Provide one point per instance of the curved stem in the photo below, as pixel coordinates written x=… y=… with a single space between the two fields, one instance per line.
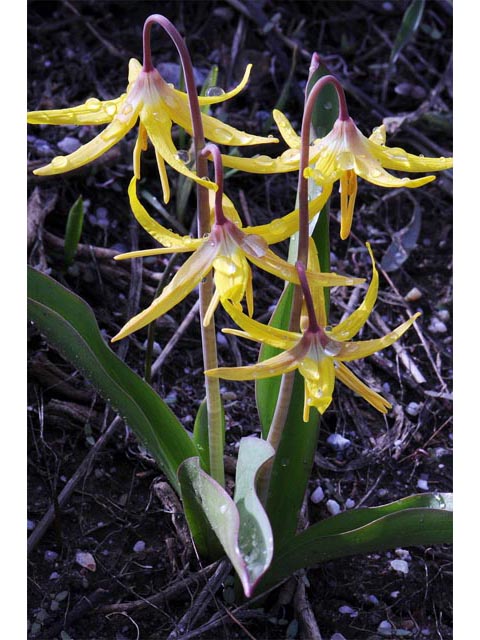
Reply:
x=212 y=150
x=209 y=343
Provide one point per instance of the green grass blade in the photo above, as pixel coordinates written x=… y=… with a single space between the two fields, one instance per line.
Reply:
x=70 y=326
x=73 y=230
x=410 y=23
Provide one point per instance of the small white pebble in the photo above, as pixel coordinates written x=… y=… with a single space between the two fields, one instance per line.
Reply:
x=338 y=442
x=413 y=408
x=139 y=546
x=346 y=609
x=381 y=493
x=400 y=566
x=384 y=625
x=30 y=525
x=403 y=554
x=413 y=295
x=54 y=576
x=444 y=315
x=317 y=495
x=394 y=594
x=86 y=560
x=422 y=484
x=372 y=599
x=437 y=326
x=69 y=144
x=333 y=507
x=50 y=556
x=349 y=503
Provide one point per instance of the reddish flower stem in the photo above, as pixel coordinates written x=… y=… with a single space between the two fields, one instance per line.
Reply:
x=212 y=150
x=209 y=342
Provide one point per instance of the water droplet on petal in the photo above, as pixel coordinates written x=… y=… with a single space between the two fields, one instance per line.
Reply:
x=214 y=91
x=327 y=106
x=291 y=156
x=374 y=172
x=111 y=109
x=59 y=162
x=222 y=136
x=93 y=104
x=264 y=161
x=346 y=160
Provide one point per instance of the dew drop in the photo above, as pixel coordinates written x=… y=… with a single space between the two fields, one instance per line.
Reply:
x=222 y=136
x=214 y=91
x=127 y=108
x=290 y=156
x=223 y=508
x=374 y=173
x=93 y=104
x=327 y=106
x=111 y=109
x=59 y=162
x=346 y=160
x=264 y=161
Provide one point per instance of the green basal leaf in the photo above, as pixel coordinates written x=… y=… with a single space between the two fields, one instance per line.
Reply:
x=417 y=520
x=70 y=326
x=241 y=525
x=73 y=230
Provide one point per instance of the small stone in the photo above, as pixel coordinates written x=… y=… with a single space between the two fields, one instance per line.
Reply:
x=444 y=315
x=317 y=495
x=50 y=556
x=54 y=576
x=30 y=525
x=400 y=566
x=139 y=546
x=422 y=482
x=381 y=493
x=333 y=507
x=349 y=503
x=413 y=408
x=372 y=599
x=437 y=326
x=403 y=554
x=337 y=442
x=86 y=560
x=338 y=636
x=69 y=144
x=222 y=340
x=413 y=295
x=425 y=632
x=348 y=610
x=384 y=626
x=394 y=594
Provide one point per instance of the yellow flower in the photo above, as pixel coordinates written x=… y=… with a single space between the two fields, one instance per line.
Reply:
x=343 y=154
x=227 y=249
x=157 y=105
x=318 y=353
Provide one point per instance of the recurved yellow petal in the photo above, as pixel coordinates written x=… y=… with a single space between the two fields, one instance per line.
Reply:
x=363 y=348
x=208 y=100
x=92 y=112
x=109 y=137
x=282 y=363
x=371 y=170
x=259 y=332
x=158 y=126
x=351 y=326
x=286 y=130
x=155 y=229
x=349 y=379
x=284 y=227
x=184 y=281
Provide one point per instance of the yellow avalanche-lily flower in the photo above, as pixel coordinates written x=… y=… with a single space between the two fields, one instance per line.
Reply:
x=157 y=105
x=318 y=353
x=227 y=249
x=343 y=154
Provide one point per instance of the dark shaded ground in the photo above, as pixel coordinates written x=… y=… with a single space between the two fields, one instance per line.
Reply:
x=81 y=49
